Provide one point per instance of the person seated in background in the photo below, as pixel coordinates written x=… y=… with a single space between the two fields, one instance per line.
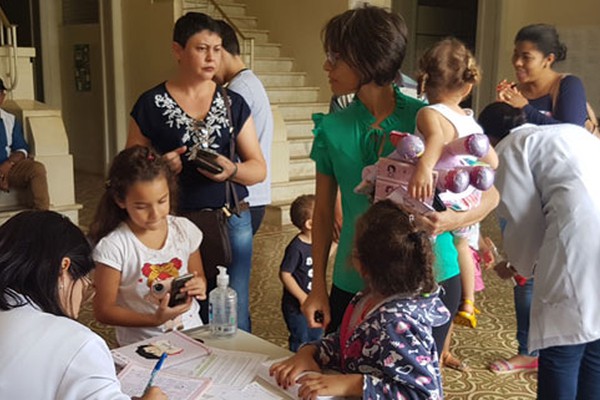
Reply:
x=44 y=353
x=17 y=170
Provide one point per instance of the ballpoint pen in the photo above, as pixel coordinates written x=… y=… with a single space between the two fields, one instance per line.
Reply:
x=157 y=367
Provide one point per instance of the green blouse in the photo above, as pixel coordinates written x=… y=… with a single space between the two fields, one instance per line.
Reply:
x=345 y=142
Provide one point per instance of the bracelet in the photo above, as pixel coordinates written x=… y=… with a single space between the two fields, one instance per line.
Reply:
x=234 y=171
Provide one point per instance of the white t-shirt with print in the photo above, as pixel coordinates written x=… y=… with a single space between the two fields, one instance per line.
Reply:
x=140 y=265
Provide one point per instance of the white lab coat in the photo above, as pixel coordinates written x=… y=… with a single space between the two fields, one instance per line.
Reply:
x=45 y=357
x=549 y=183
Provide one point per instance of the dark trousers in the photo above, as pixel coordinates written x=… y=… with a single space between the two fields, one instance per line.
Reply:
x=297 y=325
x=450 y=296
x=570 y=372
x=257 y=214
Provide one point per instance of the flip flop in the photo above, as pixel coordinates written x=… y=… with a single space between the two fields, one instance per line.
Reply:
x=502 y=366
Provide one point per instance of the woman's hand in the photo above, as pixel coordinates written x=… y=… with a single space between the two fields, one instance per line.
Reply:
x=504 y=270
x=314 y=385
x=153 y=393
x=510 y=95
x=316 y=308
x=165 y=313
x=196 y=287
x=229 y=169
x=285 y=372
x=173 y=159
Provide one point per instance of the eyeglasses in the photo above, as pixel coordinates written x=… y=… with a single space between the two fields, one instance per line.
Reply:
x=332 y=58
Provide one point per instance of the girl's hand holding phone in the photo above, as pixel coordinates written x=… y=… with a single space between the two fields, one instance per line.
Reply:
x=196 y=287
x=165 y=313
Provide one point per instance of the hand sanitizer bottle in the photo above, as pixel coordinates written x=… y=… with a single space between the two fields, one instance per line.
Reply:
x=223 y=306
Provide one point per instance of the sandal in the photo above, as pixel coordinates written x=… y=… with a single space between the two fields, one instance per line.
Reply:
x=449 y=361
x=465 y=318
x=503 y=366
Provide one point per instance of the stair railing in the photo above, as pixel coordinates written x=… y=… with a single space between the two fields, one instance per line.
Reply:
x=247 y=41
x=8 y=39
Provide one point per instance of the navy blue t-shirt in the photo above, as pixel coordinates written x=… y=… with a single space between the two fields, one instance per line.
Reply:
x=168 y=127
x=570 y=105
x=297 y=261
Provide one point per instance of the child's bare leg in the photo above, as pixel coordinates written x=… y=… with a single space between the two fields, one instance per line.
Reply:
x=466 y=311
x=467 y=273
x=447 y=359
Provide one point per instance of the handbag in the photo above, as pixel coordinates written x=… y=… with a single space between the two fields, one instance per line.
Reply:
x=215 y=248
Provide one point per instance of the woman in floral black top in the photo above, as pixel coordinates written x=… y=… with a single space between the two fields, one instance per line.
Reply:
x=188 y=112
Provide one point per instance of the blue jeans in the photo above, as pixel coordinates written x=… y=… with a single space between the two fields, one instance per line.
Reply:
x=296 y=322
x=257 y=213
x=522 y=297
x=240 y=236
x=570 y=372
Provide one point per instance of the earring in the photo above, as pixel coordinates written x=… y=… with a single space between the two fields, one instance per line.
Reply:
x=61 y=287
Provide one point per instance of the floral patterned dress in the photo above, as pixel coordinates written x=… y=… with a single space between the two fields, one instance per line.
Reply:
x=391 y=346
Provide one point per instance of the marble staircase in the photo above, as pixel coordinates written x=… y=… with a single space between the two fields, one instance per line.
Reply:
x=292 y=99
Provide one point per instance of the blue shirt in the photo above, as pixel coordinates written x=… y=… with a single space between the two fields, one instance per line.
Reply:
x=570 y=105
x=11 y=141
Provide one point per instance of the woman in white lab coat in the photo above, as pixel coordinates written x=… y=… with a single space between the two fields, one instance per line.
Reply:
x=549 y=213
x=44 y=354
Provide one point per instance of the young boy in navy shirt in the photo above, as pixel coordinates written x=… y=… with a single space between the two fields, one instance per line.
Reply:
x=296 y=274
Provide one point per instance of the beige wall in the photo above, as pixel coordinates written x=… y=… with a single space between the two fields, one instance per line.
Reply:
x=297 y=25
x=82 y=111
x=147 y=36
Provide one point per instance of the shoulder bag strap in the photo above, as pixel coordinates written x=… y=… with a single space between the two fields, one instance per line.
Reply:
x=554 y=89
x=229 y=189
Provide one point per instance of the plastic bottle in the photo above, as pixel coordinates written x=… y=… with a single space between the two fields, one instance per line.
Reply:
x=223 y=306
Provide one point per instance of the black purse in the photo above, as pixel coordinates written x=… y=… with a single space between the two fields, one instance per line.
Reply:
x=215 y=248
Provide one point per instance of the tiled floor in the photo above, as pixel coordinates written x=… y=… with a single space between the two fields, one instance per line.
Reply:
x=493 y=338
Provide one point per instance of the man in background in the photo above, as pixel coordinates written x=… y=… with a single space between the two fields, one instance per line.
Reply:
x=16 y=169
x=234 y=73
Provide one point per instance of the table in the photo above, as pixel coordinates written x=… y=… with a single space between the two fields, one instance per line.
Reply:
x=240 y=341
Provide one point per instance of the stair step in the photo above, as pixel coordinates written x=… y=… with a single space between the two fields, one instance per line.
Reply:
x=273 y=64
x=230 y=8
x=302 y=168
x=299 y=129
x=278 y=214
x=259 y=35
x=277 y=79
x=298 y=111
x=288 y=191
x=71 y=211
x=244 y=21
x=303 y=94
x=267 y=50
x=300 y=148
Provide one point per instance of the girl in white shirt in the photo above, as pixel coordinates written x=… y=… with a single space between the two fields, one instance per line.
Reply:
x=44 y=354
x=137 y=244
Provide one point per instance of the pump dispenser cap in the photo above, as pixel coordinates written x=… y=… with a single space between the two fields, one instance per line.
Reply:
x=222 y=278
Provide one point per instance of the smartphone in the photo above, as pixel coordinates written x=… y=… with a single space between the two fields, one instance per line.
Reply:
x=206 y=160
x=177 y=284
x=438 y=204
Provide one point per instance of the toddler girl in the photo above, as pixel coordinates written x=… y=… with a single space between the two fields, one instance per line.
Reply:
x=384 y=347
x=447 y=74
x=137 y=244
